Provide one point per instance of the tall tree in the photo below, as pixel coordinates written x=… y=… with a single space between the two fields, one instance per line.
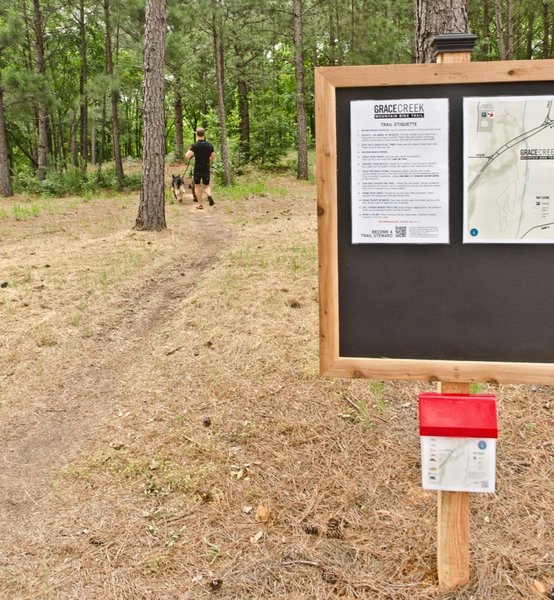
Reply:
x=217 y=34
x=302 y=142
x=435 y=17
x=151 y=213
x=42 y=117
x=83 y=86
x=114 y=95
x=9 y=33
x=178 y=111
x=243 y=104
x=5 y=181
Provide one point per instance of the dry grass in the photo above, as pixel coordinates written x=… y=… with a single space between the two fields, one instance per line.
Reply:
x=167 y=435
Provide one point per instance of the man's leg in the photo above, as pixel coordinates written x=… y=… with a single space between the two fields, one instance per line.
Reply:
x=208 y=188
x=198 y=194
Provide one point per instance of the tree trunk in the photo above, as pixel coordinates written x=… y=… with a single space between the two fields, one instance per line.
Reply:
x=42 y=152
x=5 y=181
x=331 y=37
x=244 y=120
x=218 y=54
x=500 y=30
x=530 y=35
x=116 y=143
x=178 y=109
x=102 y=150
x=545 y=30
x=73 y=139
x=60 y=128
x=243 y=106
x=93 y=143
x=435 y=17
x=151 y=213
x=486 y=28
x=510 y=19
x=302 y=167
x=83 y=87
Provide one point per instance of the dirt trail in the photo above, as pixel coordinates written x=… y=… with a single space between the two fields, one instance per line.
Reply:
x=57 y=395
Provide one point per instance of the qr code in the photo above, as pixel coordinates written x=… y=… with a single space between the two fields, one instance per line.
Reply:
x=400 y=232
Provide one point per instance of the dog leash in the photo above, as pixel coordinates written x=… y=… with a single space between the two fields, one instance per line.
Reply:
x=188 y=165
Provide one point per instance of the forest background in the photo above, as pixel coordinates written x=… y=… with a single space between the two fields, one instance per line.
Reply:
x=71 y=76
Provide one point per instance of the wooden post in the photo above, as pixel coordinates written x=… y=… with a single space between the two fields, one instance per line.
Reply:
x=453 y=523
x=453 y=507
x=454 y=47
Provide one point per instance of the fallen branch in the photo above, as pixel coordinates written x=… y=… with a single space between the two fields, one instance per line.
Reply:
x=359 y=411
x=308 y=563
x=175 y=350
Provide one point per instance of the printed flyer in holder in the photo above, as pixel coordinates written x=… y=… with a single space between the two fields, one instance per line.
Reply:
x=399 y=157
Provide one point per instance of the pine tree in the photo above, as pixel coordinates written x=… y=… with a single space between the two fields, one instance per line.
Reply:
x=435 y=17
x=151 y=213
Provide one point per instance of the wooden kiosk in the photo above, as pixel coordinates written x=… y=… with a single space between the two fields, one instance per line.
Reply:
x=454 y=312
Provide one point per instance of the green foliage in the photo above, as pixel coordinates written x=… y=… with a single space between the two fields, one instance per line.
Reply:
x=71 y=182
x=257 y=42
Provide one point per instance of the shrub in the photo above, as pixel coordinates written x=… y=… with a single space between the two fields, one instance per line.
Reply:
x=72 y=182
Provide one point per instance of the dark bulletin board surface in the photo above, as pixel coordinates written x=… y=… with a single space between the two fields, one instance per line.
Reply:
x=464 y=302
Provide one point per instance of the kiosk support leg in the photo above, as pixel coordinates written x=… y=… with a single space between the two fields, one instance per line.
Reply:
x=453 y=507
x=453 y=524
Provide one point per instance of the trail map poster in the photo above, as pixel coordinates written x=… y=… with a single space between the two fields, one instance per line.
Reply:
x=458 y=464
x=509 y=170
x=399 y=158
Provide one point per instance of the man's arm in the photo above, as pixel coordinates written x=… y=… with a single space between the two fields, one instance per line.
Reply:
x=189 y=153
x=212 y=157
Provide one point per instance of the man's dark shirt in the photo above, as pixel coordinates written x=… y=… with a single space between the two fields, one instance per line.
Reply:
x=202 y=152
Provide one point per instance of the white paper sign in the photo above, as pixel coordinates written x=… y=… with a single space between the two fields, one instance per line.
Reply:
x=399 y=157
x=458 y=464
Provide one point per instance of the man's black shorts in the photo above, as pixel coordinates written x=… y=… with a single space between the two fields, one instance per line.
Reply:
x=201 y=178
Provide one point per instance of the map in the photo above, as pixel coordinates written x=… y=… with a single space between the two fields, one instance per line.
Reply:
x=509 y=169
x=458 y=464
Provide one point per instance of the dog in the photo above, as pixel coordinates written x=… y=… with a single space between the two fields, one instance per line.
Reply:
x=179 y=187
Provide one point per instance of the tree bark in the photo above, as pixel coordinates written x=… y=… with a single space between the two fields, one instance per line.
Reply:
x=42 y=115
x=435 y=17
x=116 y=136
x=220 y=82
x=302 y=143
x=151 y=213
x=5 y=181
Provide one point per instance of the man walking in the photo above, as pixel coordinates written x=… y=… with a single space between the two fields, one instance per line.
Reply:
x=204 y=156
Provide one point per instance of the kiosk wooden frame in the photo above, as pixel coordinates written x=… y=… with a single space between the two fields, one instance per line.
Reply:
x=327 y=81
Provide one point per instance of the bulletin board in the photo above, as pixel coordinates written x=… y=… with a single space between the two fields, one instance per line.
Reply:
x=453 y=311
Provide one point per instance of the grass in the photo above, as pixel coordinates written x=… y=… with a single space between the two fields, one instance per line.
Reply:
x=253 y=186
x=296 y=257
x=21 y=212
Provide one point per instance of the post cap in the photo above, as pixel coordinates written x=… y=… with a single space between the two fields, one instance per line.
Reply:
x=454 y=42
x=458 y=415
